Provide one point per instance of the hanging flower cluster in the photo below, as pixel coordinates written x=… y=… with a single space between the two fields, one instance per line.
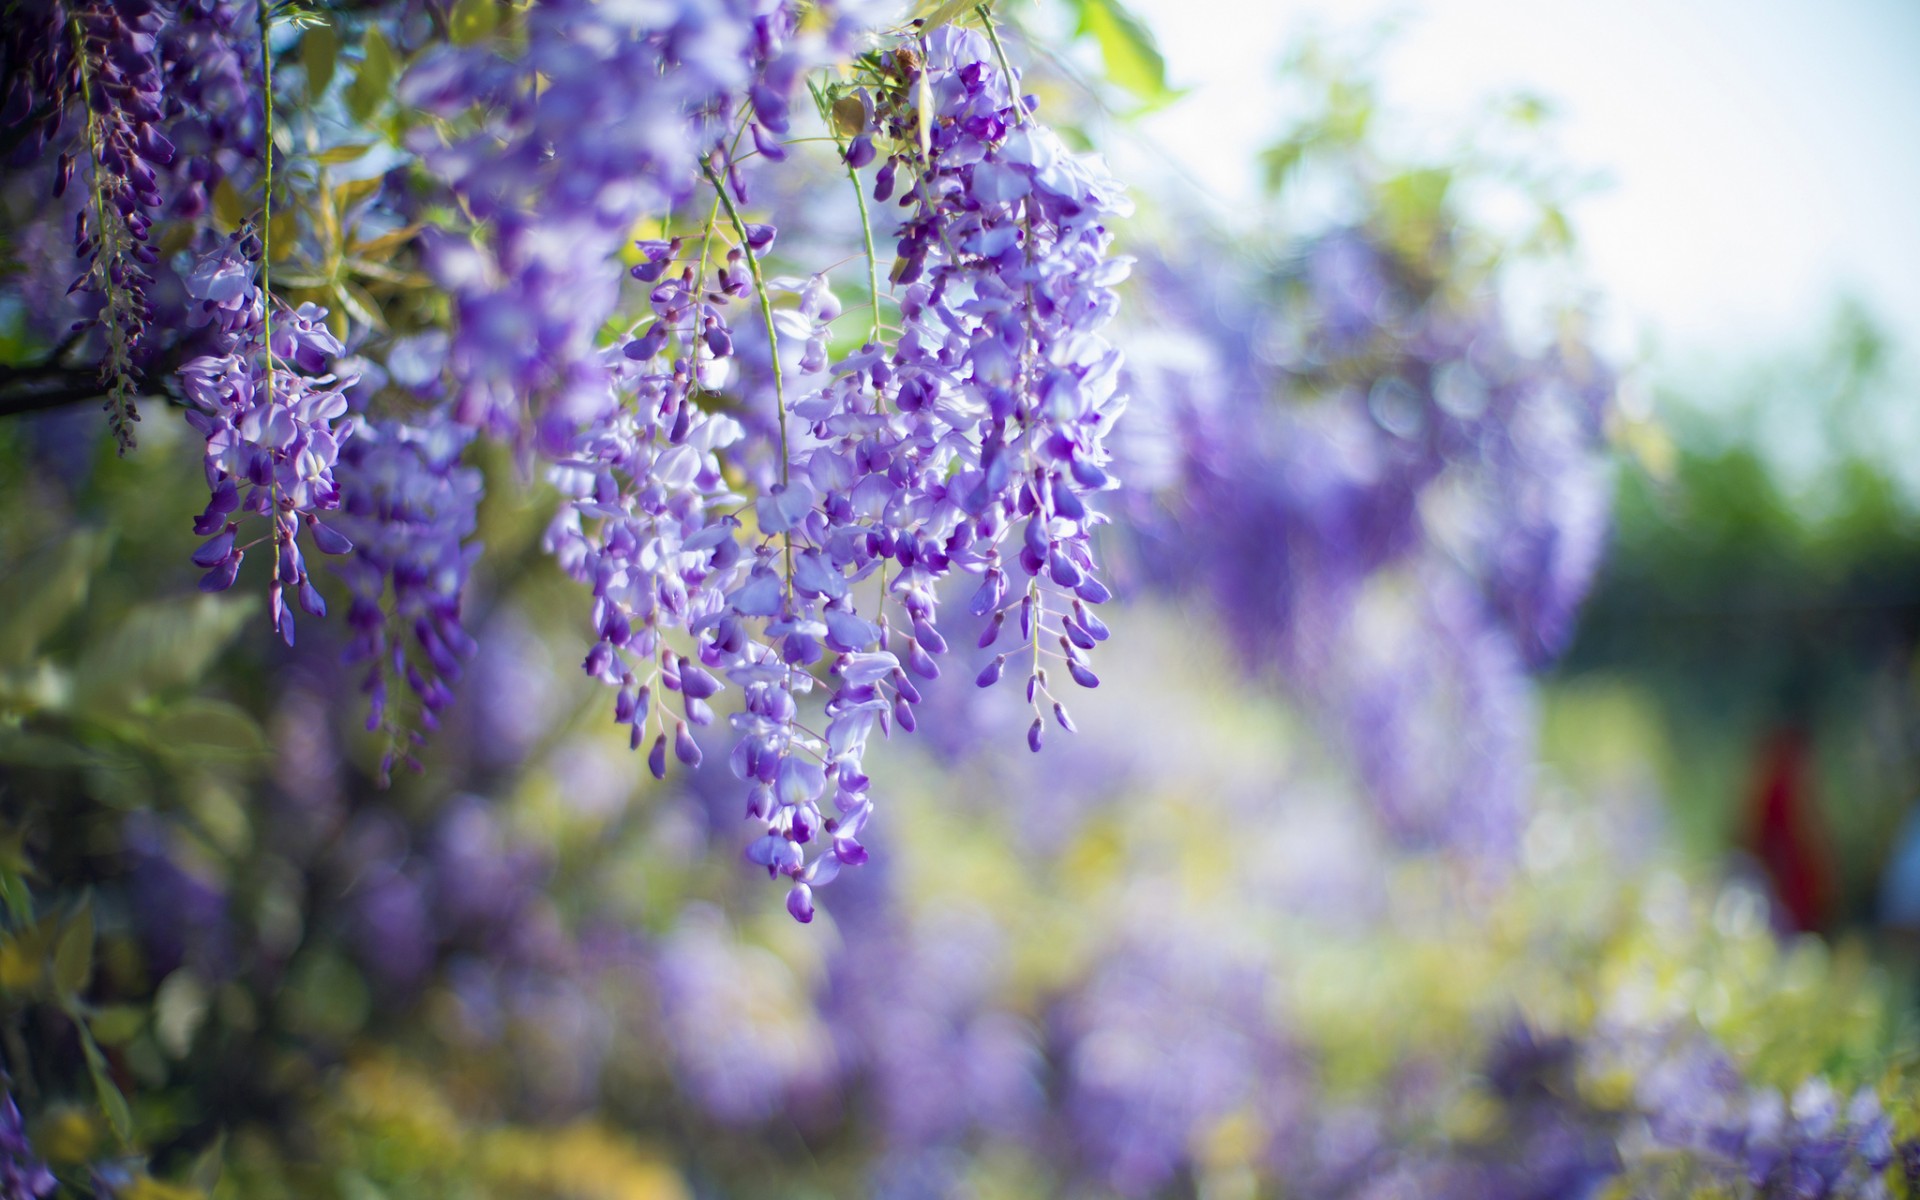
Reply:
x=273 y=417
x=730 y=484
x=410 y=510
x=1393 y=507
x=762 y=512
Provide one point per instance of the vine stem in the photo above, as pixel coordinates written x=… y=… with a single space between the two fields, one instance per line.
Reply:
x=266 y=193
x=766 y=304
x=266 y=253
x=1035 y=596
x=773 y=354
x=1006 y=67
x=873 y=263
x=773 y=341
x=108 y=235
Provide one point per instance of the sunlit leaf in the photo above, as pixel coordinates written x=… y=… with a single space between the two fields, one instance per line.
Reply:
x=73 y=953
x=319 y=52
x=179 y=1009
x=1127 y=49
x=117 y=1023
x=358 y=303
x=229 y=207
x=944 y=12
x=374 y=80
x=111 y=1101
x=849 y=116
x=204 y=730
x=156 y=647
x=473 y=21
x=334 y=155
x=354 y=191
x=285 y=230
x=42 y=591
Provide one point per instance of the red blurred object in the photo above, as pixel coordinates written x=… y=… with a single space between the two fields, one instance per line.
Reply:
x=1786 y=832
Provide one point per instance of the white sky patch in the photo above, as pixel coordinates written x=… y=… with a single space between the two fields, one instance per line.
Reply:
x=1764 y=155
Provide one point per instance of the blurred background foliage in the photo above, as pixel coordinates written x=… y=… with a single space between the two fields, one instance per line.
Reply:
x=1762 y=591
x=1178 y=955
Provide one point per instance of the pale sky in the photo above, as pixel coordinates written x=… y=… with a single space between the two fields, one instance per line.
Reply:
x=1764 y=154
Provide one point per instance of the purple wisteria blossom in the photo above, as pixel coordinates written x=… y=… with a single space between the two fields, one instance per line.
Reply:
x=896 y=465
x=628 y=104
x=1817 y=1143
x=745 y=1041
x=22 y=1175
x=1394 y=510
x=210 y=55
x=1165 y=1042
x=410 y=508
x=118 y=79
x=274 y=420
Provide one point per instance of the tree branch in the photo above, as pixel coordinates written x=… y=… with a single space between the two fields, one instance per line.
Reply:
x=54 y=384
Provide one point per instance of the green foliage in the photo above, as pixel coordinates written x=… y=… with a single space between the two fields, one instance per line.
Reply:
x=44 y=589
x=319 y=54
x=473 y=21
x=1763 y=575
x=372 y=83
x=1128 y=51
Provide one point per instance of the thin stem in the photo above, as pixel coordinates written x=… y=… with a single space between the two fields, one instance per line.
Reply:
x=1006 y=67
x=773 y=344
x=1035 y=595
x=266 y=195
x=266 y=255
x=866 y=232
x=110 y=239
x=766 y=304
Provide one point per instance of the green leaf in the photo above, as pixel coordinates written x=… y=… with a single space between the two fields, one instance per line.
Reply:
x=324 y=997
x=374 y=80
x=23 y=957
x=73 y=953
x=118 y=1023
x=319 y=54
x=204 y=1174
x=358 y=303
x=229 y=207
x=43 y=751
x=849 y=116
x=473 y=21
x=43 y=591
x=203 y=730
x=1127 y=48
x=111 y=1101
x=945 y=13
x=157 y=646
x=335 y=155
x=19 y=901
x=296 y=14
x=355 y=191
x=179 y=1009
x=1277 y=162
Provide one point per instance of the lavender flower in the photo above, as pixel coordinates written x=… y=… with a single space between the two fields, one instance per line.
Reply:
x=273 y=420
x=22 y=1175
x=209 y=52
x=120 y=83
x=409 y=508
x=1394 y=510
x=1167 y=1038
x=1816 y=1144
x=629 y=101
x=743 y=1038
